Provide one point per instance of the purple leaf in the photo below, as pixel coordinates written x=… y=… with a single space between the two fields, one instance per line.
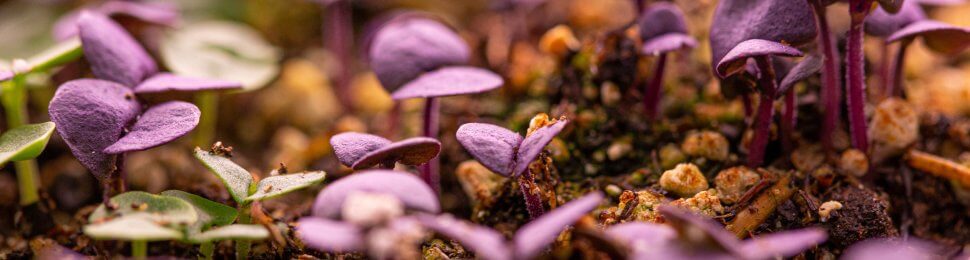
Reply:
x=804 y=69
x=881 y=23
x=351 y=146
x=655 y=235
x=735 y=60
x=697 y=229
x=534 y=236
x=411 y=151
x=668 y=43
x=155 y=12
x=890 y=249
x=405 y=48
x=6 y=75
x=328 y=235
x=491 y=145
x=483 y=241
x=159 y=124
x=411 y=190
x=736 y=21
x=940 y=37
x=113 y=54
x=533 y=144
x=90 y=115
x=782 y=244
x=660 y=19
x=940 y=2
x=165 y=82
x=449 y=81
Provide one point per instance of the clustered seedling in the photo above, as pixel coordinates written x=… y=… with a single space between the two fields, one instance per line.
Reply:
x=361 y=151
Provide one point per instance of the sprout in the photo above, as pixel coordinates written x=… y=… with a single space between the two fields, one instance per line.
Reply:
x=663 y=30
x=508 y=154
x=160 y=13
x=360 y=151
x=418 y=57
x=831 y=92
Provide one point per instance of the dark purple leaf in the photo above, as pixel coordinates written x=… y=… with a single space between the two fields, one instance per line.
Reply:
x=159 y=124
x=330 y=236
x=735 y=21
x=406 y=187
x=485 y=242
x=940 y=37
x=154 y=12
x=411 y=151
x=668 y=43
x=735 y=60
x=533 y=144
x=782 y=244
x=351 y=146
x=804 y=69
x=659 y=19
x=449 y=81
x=165 y=82
x=881 y=23
x=695 y=229
x=90 y=115
x=491 y=145
x=405 y=48
x=534 y=236
x=891 y=249
x=112 y=52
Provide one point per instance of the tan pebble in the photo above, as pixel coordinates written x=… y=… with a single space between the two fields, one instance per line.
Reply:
x=685 y=180
x=826 y=209
x=854 y=162
x=895 y=124
x=708 y=144
x=733 y=182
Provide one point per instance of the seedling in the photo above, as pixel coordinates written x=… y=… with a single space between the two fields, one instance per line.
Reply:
x=508 y=154
x=693 y=236
x=831 y=92
x=245 y=190
x=663 y=30
x=159 y=13
x=529 y=241
x=418 y=57
x=361 y=151
x=123 y=125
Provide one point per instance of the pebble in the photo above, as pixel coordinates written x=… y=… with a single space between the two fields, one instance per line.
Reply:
x=685 y=180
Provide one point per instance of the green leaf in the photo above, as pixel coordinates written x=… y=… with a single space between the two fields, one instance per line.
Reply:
x=131 y=228
x=210 y=213
x=25 y=142
x=234 y=232
x=160 y=209
x=222 y=50
x=282 y=184
x=57 y=55
x=236 y=179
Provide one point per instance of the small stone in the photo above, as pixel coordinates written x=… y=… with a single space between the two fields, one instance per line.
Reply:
x=685 y=180
x=558 y=41
x=612 y=190
x=670 y=156
x=371 y=209
x=610 y=94
x=643 y=206
x=895 y=124
x=854 y=162
x=826 y=209
x=705 y=203
x=619 y=149
x=733 y=182
x=707 y=144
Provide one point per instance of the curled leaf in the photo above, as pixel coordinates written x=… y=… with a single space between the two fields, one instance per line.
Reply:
x=449 y=81
x=803 y=70
x=25 y=142
x=406 y=187
x=411 y=151
x=735 y=60
x=274 y=186
x=236 y=179
x=491 y=145
x=532 y=145
x=351 y=146
x=160 y=124
x=328 y=235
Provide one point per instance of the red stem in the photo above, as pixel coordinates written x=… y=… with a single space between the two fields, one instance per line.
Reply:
x=393 y=119
x=895 y=84
x=651 y=99
x=856 y=86
x=762 y=124
x=831 y=85
x=429 y=171
x=533 y=202
x=339 y=27
x=789 y=117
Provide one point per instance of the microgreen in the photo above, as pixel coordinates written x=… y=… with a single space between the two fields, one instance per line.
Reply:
x=831 y=91
x=24 y=142
x=160 y=13
x=360 y=151
x=663 y=30
x=508 y=154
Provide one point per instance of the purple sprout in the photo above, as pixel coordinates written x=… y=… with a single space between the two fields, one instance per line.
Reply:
x=159 y=13
x=418 y=57
x=831 y=92
x=663 y=30
x=361 y=151
x=102 y=119
x=508 y=154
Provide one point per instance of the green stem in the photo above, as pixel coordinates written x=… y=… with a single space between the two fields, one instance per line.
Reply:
x=242 y=246
x=14 y=101
x=208 y=249
x=139 y=249
x=208 y=103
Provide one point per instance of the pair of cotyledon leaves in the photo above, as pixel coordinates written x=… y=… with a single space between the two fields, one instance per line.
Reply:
x=502 y=151
x=243 y=187
x=911 y=22
x=360 y=150
x=664 y=29
x=415 y=56
x=171 y=215
x=99 y=118
x=324 y=231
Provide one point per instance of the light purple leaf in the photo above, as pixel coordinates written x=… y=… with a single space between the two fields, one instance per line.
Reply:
x=113 y=54
x=491 y=145
x=697 y=229
x=159 y=124
x=941 y=2
x=165 y=82
x=803 y=70
x=891 y=249
x=351 y=146
x=6 y=75
x=736 y=21
x=735 y=60
x=330 y=236
x=533 y=144
x=154 y=12
x=90 y=115
x=940 y=37
x=485 y=242
x=881 y=23
x=406 y=187
x=411 y=151
x=534 y=236
x=668 y=43
x=659 y=19
x=652 y=234
x=782 y=244
x=449 y=81
x=408 y=46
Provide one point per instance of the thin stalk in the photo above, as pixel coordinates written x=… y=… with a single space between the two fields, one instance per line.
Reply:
x=429 y=171
x=533 y=203
x=393 y=120
x=884 y=73
x=895 y=84
x=242 y=246
x=762 y=123
x=339 y=26
x=208 y=102
x=207 y=249
x=651 y=99
x=856 y=86
x=139 y=249
x=748 y=109
x=14 y=101
x=831 y=85
x=788 y=119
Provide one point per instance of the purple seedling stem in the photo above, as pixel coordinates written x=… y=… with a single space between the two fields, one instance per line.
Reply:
x=855 y=72
x=831 y=92
x=663 y=29
x=338 y=26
